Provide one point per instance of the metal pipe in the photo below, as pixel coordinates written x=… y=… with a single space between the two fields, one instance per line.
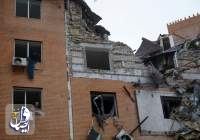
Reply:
x=69 y=95
x=139 y=125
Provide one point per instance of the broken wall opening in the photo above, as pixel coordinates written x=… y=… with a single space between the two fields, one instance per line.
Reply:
x=162 y=62
x=166 y=43
x=169 y=104
x=103 y=103
x=97 y=59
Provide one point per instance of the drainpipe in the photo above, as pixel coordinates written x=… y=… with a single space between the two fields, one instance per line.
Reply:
x=71 y=131
x=69 y=95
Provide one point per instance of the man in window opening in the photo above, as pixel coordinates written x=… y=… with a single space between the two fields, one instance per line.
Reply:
x=37 y=110
x=35 y=57
x=31 y=64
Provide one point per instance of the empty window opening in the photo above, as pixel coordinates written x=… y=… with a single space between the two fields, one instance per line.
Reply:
x=163 y=62
x=98 y=59
x=166 y=43
x=103 y=103
x=28 y=49
x=27 y=96
x=28 y=8
x=168 y=61
x=169 y=103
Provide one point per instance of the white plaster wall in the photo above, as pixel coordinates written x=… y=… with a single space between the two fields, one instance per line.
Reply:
x=149 y=104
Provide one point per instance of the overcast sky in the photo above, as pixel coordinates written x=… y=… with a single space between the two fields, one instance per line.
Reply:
x=130 y=20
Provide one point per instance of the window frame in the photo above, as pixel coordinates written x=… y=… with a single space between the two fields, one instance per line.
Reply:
x=104 y=94
x=28 y=10
x=25 y=89
x=28 y=48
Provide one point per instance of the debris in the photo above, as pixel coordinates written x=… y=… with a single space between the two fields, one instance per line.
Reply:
x=117 y=123
x=101 y=30
x=123 y=135
x=131 y=133
x=188 y=114
x=157 y=77
x=100 y=116
x=105 y=108
x=93 y=135
x=164 y=73
x=128 y=93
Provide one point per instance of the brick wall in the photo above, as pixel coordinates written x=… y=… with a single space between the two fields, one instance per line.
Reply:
x=50 y=74
x=82 y=112
x=185 y=29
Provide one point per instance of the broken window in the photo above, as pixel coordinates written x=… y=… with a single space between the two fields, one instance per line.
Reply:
x=98 y=59
x=103 y=103
x=169 y=103
x=25 y=96
x=28 y=8
x=28 y=49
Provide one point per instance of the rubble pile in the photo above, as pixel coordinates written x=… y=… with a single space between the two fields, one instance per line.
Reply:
x=177 y=68
x=188 y=113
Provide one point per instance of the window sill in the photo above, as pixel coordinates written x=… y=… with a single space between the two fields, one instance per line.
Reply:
x=98 y=70
x=39 y=114
x=30 y=19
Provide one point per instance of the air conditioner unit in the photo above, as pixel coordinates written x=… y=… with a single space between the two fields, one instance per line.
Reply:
x=19 y=61
x=123 y=135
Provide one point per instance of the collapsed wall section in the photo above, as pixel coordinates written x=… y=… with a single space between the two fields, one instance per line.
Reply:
x=93 y=55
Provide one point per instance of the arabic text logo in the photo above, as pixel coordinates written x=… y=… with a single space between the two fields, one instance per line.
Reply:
x=20 y=120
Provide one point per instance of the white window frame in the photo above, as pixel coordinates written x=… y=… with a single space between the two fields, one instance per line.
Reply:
x=28 y=6
x=25 y=90
x=27 y=45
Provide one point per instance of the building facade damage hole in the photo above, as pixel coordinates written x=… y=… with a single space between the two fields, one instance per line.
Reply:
x=169 y=103
x=103 y=106
x=97 y=59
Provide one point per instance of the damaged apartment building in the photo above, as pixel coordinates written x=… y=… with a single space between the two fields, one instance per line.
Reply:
x=110 y=89
x=101 y=78
x=173 y=61
x=116 y=94
x=57 y=58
